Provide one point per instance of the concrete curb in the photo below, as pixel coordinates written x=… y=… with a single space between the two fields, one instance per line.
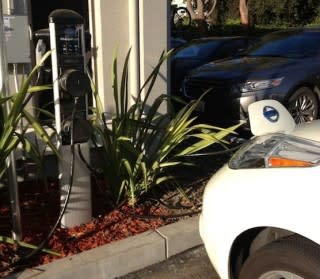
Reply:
x=122 y=257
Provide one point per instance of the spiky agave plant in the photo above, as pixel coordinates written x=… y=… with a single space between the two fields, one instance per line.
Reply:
x=139 y=145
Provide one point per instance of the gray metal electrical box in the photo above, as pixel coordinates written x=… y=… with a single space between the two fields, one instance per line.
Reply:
x=16 y=29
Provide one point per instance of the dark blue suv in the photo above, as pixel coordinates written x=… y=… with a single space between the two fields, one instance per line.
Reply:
x=283 y=65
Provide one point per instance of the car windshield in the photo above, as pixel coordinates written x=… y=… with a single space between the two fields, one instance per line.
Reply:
x=201 y=49
x=297 y=44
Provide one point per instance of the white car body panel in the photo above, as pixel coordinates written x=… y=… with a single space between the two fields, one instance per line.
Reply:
x=259 y=203
x=308 y=130
x=238 y=200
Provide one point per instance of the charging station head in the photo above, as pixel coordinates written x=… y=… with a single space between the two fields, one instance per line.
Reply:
x=63 y=16
x=75 y=82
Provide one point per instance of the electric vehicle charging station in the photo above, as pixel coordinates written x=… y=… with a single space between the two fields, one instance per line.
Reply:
x=70 y=94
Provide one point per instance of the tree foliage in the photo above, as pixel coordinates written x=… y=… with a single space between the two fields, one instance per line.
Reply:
x=271 y=12
x=263 y=12
x=203 y=10
x=287 y=12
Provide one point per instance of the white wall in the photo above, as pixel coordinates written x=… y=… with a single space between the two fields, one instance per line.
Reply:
x=109 y=29
x=112 y=26
x=154 y=30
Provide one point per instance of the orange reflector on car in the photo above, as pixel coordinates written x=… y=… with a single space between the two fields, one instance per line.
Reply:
x=276 y=162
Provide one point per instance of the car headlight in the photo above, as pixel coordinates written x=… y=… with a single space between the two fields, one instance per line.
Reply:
x=254 y=85
x=276 y=151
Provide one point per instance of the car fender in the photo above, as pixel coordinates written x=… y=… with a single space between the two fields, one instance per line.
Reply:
x=308 y=130
x=238 y=200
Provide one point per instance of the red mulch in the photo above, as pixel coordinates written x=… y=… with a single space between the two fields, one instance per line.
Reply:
x=40 y=208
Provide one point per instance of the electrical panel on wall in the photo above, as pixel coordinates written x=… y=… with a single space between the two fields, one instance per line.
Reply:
x=16 y=29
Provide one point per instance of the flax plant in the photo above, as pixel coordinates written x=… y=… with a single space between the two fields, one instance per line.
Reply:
x=11 y=133
x=139 y=145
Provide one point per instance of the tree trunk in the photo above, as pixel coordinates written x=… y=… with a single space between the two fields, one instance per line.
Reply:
x=244 y=13
x=198 y=16
x=210 y=9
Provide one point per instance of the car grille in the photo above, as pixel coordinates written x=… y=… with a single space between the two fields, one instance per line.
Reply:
x=195 y=88
x=220 y=104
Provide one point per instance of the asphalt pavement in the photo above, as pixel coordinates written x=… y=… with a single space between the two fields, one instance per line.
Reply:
x=192 y=264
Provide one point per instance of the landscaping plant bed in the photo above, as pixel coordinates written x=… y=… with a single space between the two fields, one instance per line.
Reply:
x=40 y=203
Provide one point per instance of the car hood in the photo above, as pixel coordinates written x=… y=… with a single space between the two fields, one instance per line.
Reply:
x=241 y=68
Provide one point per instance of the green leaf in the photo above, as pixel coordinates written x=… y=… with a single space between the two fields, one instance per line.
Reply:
x=169 y=164
x=114 y=79
x=163 y=179
x=45 y=113
x=39 y=88
x=123 y=87
x=40 y=131
x=11 y=145
x=9 y=240
x=98 y=104
x=4 y=99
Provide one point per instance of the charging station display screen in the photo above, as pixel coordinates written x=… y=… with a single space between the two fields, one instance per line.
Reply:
x=69 y=40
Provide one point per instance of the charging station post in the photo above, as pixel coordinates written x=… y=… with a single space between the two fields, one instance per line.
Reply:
x=70 y=88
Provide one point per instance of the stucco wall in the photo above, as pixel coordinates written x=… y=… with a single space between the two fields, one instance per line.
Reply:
x=153 y=41
x=111 y=29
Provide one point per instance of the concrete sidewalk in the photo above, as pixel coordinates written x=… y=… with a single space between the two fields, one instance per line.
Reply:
x=122 y=257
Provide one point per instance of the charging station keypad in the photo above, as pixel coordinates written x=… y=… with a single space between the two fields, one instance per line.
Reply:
x=69 y=37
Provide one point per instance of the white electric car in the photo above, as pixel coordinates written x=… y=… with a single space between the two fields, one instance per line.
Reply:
x=261 y=211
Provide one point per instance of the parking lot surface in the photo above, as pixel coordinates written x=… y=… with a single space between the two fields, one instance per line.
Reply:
x=192 y=264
